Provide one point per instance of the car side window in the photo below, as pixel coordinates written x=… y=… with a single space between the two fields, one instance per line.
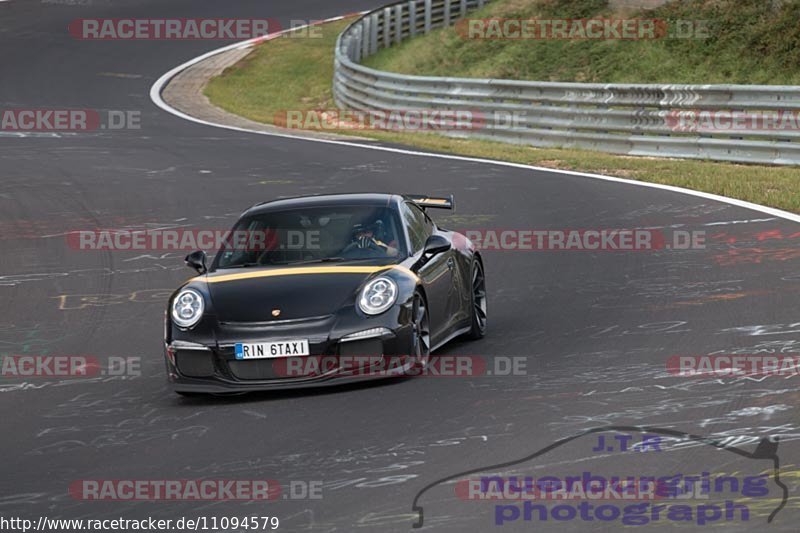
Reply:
x=419 y=225
x=428 y=224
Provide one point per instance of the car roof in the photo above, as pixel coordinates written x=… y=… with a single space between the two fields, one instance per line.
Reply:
x=364 y=198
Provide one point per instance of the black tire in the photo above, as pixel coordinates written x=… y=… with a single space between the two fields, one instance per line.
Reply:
x=421 y=331
x=478 y=314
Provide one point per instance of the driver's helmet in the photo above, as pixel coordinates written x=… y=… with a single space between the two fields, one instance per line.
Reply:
x=364 y=234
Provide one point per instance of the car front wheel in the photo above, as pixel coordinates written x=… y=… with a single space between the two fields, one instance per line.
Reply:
x=421 y=331
x=478 y=327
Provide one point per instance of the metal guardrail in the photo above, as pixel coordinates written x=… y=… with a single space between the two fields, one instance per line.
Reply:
x=633 y=119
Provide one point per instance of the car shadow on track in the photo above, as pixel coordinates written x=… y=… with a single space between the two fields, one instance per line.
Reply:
x=276 y=395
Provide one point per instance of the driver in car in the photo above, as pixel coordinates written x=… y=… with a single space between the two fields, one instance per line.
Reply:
x=366 y=238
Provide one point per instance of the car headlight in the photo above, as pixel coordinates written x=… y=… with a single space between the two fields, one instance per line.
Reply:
x=378 y=295
x=187 y=308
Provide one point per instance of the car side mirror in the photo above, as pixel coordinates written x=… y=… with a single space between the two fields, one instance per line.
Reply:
x=197 y=261
x=436 y=244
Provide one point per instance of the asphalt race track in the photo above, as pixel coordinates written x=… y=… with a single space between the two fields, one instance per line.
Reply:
x=595 y=328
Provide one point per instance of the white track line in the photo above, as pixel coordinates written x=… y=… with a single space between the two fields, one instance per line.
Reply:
x=158 y=86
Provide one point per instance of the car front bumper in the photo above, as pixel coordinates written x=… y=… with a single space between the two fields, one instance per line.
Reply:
x=364 y=352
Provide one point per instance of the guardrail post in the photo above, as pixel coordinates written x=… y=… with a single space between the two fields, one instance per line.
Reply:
x=446 y=13
x=346 y=42
x=373 y=33
x=480 y=3
x=398 y=23
x=463 y=8
x=387 y=22
x=427 y=16
x=412 y=18
x=363 y=42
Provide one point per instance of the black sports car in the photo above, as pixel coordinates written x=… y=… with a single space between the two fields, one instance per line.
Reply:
x=319 y=289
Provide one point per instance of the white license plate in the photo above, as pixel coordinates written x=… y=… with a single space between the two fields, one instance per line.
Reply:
x=266 y=350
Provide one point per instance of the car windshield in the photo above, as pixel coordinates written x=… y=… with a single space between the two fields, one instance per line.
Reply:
x=313 y=234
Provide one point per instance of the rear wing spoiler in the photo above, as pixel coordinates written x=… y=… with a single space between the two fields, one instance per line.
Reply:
x=429 y=201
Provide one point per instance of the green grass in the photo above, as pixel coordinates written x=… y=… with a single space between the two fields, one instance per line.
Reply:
x=296 y=74
x=288 y=73
x=749 y=42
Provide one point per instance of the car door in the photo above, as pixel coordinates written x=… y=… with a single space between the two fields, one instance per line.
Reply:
x=436 y=273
